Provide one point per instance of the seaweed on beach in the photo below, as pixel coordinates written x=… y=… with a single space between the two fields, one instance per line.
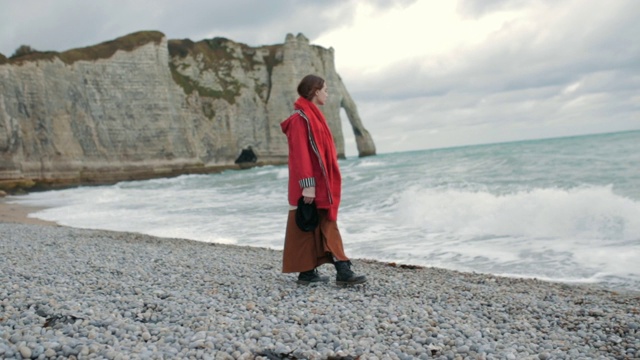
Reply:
x=405 y=266
x=271 y=355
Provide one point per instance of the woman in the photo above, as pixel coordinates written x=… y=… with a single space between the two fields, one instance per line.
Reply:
x=314 y=175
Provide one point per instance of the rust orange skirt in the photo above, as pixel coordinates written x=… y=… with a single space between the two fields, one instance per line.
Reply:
x=305 y=251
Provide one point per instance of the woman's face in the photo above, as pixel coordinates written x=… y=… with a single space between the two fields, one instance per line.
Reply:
x=321 y=95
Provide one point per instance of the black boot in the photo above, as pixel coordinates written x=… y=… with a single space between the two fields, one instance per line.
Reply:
x=347 y=277
x=311 y=276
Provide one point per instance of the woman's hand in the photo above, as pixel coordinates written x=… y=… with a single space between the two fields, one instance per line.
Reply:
x=309 y=194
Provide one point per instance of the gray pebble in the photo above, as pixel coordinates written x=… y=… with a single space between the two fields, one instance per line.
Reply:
x=24 y=351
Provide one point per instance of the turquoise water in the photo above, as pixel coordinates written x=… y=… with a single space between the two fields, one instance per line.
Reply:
x=565 y=209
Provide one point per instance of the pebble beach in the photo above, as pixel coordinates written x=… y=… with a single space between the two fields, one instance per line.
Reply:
x=86 y=294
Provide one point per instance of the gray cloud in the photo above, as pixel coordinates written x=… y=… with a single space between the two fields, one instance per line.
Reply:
x=512 y=60
x=66 y=24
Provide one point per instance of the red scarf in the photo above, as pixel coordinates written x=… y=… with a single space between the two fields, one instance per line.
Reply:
x=327 y=150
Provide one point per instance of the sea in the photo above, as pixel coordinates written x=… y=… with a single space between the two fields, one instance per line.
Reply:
x=563 y=209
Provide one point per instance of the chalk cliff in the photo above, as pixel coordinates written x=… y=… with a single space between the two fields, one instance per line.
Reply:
x=142 y=106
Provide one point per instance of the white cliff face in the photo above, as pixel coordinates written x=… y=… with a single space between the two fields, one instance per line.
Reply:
x=160 y=108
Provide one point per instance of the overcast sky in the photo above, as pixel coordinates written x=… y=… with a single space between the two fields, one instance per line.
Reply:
x=424 y=74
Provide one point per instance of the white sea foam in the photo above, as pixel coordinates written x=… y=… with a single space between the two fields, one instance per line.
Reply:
x=586 y=212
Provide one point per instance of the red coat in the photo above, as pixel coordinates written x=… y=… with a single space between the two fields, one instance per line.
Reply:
x=313 y=160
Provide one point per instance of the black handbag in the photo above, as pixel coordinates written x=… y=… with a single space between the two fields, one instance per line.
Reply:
x=307 y=217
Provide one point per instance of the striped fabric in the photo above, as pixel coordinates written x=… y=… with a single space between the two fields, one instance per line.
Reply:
x=307 y=182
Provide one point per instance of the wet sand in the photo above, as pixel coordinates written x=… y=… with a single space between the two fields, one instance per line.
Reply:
x=19 y=214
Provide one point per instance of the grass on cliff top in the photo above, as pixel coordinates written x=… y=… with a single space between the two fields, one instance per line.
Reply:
x=217 y=55
x=216 y=52
x=104 y=50
x=213 y=51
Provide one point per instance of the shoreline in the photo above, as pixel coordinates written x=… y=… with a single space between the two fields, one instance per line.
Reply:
x=19 y=214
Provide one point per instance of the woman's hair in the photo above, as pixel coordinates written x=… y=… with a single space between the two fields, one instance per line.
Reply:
x=309 y=85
